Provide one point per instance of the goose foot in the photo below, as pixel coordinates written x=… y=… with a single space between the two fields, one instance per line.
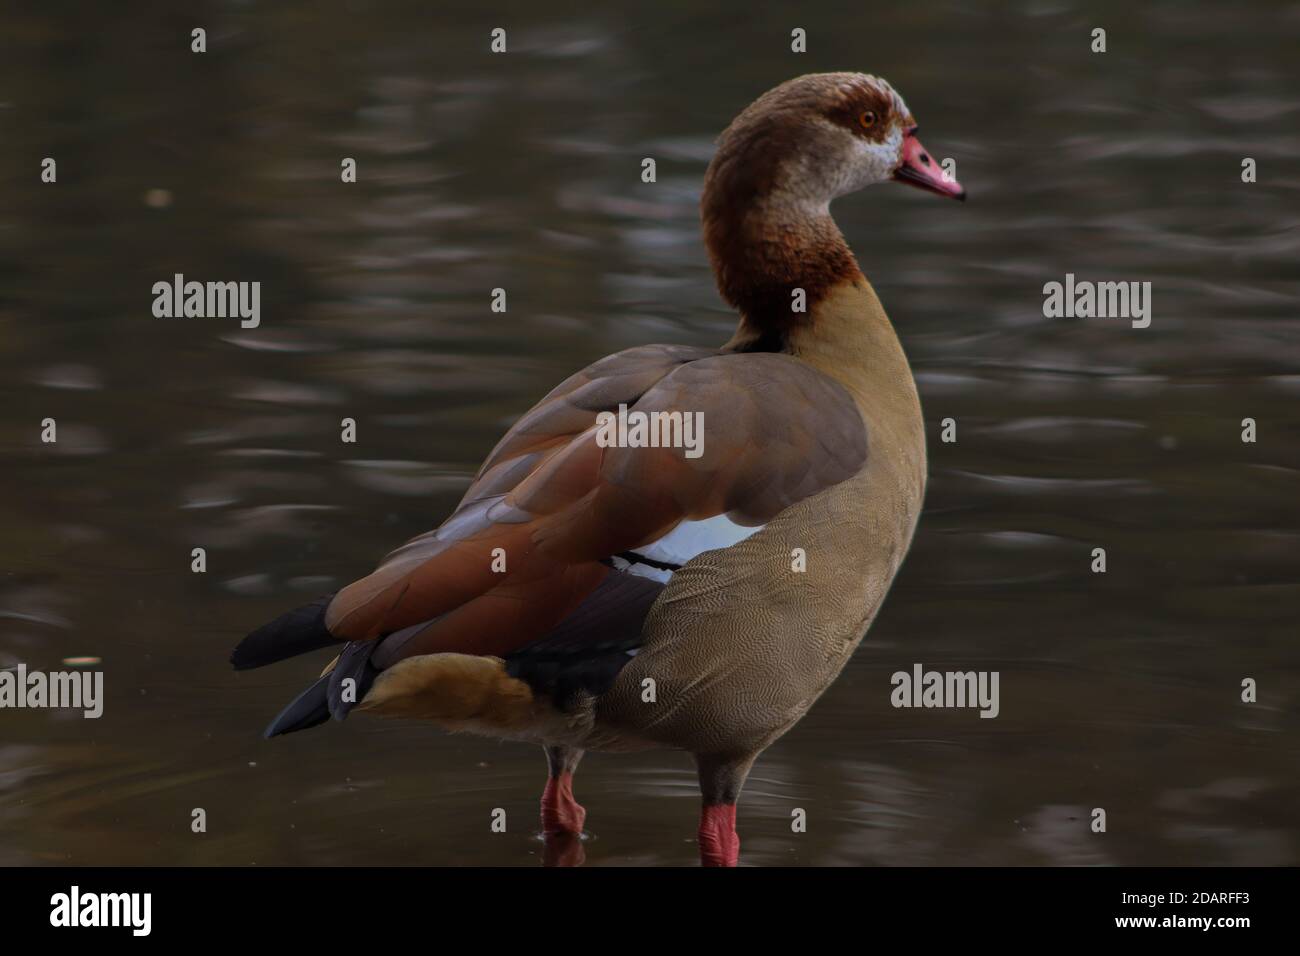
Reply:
x=719 y=844
x=560 y=812
x=721 y=779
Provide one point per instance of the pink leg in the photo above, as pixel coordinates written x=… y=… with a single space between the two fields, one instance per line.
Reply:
x=721 y=777
x=560 y=812
x=719 y=844
x=562 y=816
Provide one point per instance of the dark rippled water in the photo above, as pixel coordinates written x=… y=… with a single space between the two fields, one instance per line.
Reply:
x=521 y=171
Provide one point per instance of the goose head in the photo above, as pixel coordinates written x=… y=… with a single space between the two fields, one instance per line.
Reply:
x=779 y=165
x=822 y=135
x=818 y=137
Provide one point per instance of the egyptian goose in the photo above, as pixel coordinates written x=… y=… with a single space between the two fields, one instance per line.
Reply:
x=588 y=595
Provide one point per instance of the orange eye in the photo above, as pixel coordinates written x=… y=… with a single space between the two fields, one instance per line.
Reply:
x=867 y=119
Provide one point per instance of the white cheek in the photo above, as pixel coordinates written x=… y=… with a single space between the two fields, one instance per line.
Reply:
x=876 y=162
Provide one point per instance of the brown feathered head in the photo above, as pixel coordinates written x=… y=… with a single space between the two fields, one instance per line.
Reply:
x=778 y=166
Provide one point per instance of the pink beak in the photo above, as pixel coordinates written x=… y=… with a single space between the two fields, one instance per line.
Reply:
x=918 y=169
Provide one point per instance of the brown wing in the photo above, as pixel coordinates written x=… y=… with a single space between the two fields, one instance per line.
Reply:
x=553 y=505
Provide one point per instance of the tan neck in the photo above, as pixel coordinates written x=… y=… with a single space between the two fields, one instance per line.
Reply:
x=767 y=242
x=851 y=339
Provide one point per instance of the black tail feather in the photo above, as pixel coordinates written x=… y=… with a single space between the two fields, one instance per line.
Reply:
x=353 y=664
x=292 y=633
x=308 y=709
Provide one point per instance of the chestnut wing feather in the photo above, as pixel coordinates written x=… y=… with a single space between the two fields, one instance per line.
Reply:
x=555 y=506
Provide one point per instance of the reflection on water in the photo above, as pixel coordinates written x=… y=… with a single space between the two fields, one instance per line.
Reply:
x=1118 y=691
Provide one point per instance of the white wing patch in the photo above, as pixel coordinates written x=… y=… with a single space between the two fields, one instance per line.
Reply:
x=662 y=575
x=691 y=538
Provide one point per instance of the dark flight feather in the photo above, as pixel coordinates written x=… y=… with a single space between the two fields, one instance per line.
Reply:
x=308 y=709
x=585 y=651
x=292 y=633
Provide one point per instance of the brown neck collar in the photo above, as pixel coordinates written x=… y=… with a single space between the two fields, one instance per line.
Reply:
x=764 y=248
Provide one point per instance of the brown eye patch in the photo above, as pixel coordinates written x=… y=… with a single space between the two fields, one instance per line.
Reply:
x=864 y=110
